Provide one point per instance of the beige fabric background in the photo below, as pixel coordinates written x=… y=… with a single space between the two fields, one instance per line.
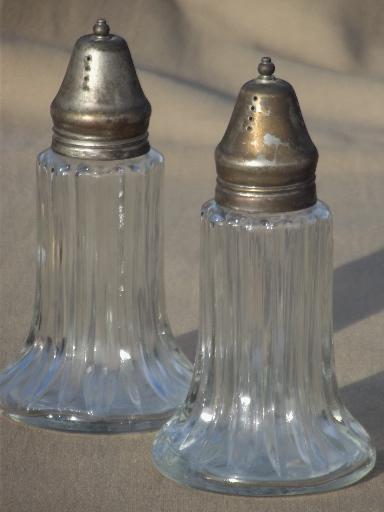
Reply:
x=192 y=57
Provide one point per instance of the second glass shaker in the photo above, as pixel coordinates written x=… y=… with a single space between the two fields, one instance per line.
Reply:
x=263 y=415
x=100 y=356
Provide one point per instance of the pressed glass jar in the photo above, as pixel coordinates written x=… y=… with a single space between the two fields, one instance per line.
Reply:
x=100 y=356
x=263 y=416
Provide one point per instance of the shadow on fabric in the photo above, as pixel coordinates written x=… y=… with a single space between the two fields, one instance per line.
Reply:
x=358 y=289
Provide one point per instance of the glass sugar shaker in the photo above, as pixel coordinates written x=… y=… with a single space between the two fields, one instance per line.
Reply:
x=100 y=356
x=263 y=415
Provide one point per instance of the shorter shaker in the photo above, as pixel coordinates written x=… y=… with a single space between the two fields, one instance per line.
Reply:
x=263 y=415
x=100 y=356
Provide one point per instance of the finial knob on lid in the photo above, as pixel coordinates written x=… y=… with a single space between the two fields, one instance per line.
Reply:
x=101 y=27
x=266 y=67
x=100 y=111
x=266 y=160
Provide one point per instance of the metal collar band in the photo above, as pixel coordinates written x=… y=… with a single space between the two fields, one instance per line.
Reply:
x=266 y=199
x=99 y=149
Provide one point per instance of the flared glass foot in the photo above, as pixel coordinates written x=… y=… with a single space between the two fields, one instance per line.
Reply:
x=47 y=388
x=77 y=424
x=179 y=471
x=257 y=464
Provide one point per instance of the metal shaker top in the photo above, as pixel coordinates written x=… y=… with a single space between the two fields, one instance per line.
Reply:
x=266 y=161
x=100 y=111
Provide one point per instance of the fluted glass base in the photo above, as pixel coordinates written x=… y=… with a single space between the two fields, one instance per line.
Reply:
x=100 y=356
x=78 y=424
x=52 y=391
x=263 y=416
x=205 y=465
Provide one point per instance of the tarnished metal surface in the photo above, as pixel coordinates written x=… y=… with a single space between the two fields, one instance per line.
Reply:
x=266 y=160
x=100 y=111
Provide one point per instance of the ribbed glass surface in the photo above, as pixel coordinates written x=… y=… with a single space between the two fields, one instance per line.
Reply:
x=262 y=415
x=100 y=355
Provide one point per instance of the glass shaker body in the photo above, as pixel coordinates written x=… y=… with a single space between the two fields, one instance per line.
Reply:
x=263 y=414
x=100 y=355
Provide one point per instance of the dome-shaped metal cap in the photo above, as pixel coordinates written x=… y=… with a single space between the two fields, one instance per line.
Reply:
x=100 y=111
x=266 y=161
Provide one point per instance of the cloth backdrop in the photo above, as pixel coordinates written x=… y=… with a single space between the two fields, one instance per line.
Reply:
x=192 y=57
